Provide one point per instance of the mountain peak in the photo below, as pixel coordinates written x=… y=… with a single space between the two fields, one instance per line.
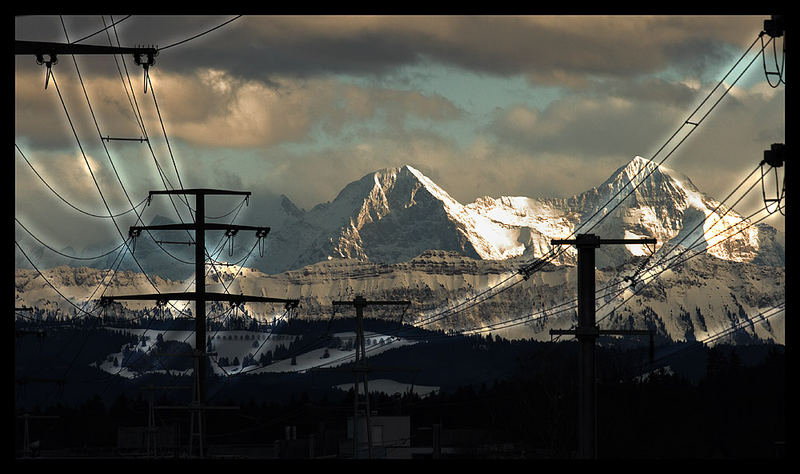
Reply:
x=639 y=167
x=289 y=207
x=396 y=171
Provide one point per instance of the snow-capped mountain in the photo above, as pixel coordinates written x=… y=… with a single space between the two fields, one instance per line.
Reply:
x=388 y=216
x=392 y=215
x=395 y=234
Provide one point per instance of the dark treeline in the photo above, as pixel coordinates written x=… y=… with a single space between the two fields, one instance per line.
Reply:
x=726 y=401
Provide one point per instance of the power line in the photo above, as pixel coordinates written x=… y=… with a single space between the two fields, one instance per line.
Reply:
x=200 y=34
x=688 y=121
x=128 y=95
x=99 y=31
x=373 y=348
x=665 y=256
x=166 y=138
x=49 y=283
x=573 y=304
x=177 y=173
x=62 y=253
x=495 y=326
x=539 y=263
x=674 y=264
x=150 y=322
x=779 y=71
x=97 y=186
x=69 y=203
x=218 y=248
x=140 y=121
x=763 y=315
x=108 y=154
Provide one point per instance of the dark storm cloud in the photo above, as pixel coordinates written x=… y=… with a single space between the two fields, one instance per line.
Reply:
x=261 y=46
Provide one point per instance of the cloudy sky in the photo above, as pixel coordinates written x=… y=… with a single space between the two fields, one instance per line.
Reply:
x=538 y=106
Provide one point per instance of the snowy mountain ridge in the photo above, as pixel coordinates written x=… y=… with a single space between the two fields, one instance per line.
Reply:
x=394 y=214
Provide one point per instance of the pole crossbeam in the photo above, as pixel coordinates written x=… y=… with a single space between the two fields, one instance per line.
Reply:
x=587 y=333
x=201 y=192
x=51 y=48
x=207 y=296
x=204 y=226
x=370 y=303
x=584 y=240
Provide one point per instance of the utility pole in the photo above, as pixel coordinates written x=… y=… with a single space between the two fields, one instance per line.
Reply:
x=152 y=430
x=587 y=333
x=26 y=440
x=775 y=27
x=200 y=296
x=360 y=368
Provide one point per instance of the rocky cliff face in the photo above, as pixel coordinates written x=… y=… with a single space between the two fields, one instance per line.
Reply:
x=696 y=299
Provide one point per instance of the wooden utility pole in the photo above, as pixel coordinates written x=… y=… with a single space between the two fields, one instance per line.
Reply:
x=200 y=296
x=360 y=368
x=587 y=333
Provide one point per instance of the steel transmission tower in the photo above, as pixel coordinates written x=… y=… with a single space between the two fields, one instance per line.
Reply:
x=360 y=367
x=200 y=296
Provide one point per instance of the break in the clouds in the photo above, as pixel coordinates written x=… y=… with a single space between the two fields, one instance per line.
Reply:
x=211 y=107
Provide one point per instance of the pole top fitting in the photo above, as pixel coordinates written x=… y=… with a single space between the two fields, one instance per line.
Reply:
x=775 y=26
x=587 y=240
x=145 y=58
x=776 y=155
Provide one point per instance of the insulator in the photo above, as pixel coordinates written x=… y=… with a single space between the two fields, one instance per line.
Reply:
x=47 y=75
